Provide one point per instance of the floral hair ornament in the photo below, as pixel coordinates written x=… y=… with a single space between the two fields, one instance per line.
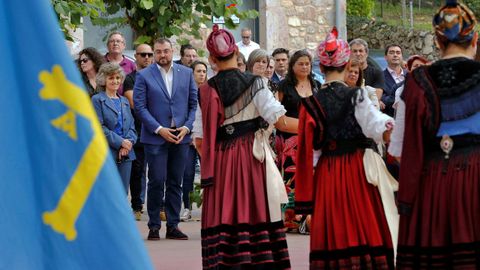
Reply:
x=220 y=42
x=454 y=22
x=333 y=52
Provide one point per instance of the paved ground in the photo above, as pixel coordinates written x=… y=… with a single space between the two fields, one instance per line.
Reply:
x=186 y=255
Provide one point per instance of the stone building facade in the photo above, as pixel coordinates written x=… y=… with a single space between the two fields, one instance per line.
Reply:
x=292 y=24
x=299 y=24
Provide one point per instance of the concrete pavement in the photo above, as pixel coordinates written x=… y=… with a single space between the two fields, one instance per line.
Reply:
x=169 y=254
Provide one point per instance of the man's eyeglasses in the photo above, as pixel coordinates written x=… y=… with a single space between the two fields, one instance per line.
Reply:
x=245 y=37
x=115 y=41
x=84 y=60
x=143 y=54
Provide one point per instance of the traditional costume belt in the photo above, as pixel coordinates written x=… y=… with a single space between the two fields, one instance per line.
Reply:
x=446 y=144
x=237 y=129
x=340 y=147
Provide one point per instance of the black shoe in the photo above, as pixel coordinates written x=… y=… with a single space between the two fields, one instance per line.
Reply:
x=175 y=233
x=153 y=235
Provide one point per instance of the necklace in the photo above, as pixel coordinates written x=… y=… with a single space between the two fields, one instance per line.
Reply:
x=302 y=89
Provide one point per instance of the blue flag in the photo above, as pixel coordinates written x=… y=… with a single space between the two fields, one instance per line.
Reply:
x=62 y=202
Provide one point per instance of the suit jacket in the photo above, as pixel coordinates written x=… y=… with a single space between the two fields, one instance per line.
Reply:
x=155 y=107
x=388 y=96
x=108 y=116
x=275 y=78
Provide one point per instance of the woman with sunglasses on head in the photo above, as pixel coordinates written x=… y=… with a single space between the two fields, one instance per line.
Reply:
x=88 y=62
x=116 y=119
x=439 y=194
x=350 y=229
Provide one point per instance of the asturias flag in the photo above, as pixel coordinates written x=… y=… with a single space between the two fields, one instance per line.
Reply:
x=62 y=204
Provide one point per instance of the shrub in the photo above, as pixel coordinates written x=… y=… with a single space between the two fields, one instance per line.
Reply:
x=474 y=5
x=360 y=8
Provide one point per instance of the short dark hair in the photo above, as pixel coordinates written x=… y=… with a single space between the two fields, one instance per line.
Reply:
x=279 y=51
x=392 y=45
x=186 y=47
x=332 y=69
x=163 y=41
x=198 y=62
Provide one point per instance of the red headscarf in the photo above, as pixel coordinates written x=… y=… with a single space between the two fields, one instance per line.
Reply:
x=333 y=52
x=220 y=42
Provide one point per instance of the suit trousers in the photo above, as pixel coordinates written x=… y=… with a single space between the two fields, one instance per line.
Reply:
x=166 y=165
x=189 y=176
x=138 y=178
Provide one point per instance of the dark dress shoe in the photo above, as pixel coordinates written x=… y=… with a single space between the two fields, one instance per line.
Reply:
x=154 y=234
x=175 y=233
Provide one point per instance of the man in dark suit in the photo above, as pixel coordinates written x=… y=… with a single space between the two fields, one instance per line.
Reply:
x=165 y=98
x=280 y=55
x=394 y=76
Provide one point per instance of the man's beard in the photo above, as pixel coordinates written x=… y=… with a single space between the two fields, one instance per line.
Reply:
x=167 y=64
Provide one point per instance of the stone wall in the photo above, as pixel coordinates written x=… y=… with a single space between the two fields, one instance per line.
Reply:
x=379 y=35
x=295 y=24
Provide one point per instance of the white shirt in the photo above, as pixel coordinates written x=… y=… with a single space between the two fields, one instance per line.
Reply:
x=397 y=77
x=167 y=76
x=247 y=49
x=396 y=139
x=280 y=77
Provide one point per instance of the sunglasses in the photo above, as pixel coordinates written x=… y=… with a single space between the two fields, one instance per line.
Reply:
x=245 y=37
x=84 y=60
x=143 y=54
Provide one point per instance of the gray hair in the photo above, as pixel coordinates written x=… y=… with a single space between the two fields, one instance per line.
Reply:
x=115 y=33
x=255 y=56
x=359 y=41
x=106 y=70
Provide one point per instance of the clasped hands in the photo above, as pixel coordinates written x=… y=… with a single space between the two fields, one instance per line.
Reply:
x=173 y=135
x=125 y=149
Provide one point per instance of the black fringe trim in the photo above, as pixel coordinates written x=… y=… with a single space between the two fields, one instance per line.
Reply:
x=360 y=257
x=245 y=246
x=464 y=255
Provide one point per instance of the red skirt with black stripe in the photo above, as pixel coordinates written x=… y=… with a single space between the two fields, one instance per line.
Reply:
x=349 y=228
x=443 y=229
x=236 y=228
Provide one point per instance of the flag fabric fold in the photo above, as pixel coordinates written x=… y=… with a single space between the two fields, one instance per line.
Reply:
x=63 y=205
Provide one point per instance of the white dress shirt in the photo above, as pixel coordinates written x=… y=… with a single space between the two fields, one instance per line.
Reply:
x=397 y=77
x=247 y=49
x=167 y=76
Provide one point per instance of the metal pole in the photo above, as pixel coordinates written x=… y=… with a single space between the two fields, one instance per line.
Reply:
x=341 y=18
x=411 y=14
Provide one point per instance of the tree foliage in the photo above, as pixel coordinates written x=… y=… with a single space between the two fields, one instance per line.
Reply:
x=151 y=19
x=474 y=5
x=70 y=13
x=360 y=8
